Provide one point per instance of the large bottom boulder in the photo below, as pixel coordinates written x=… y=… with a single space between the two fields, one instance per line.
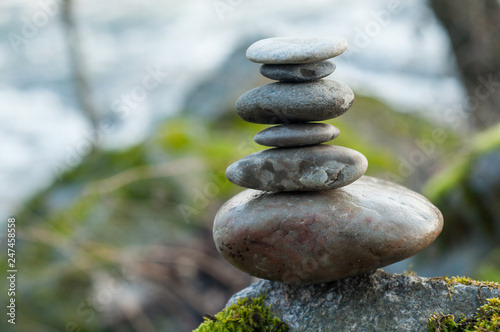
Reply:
x=377 y=301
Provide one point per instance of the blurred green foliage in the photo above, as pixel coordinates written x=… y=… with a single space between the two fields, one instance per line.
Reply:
x=101 y=219
x=489 y=267
x=467 y=191
x=455 y=172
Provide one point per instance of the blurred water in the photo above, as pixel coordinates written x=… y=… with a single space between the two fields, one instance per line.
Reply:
x=403 y=58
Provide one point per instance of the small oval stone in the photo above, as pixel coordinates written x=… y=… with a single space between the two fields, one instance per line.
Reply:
x=310 y=168
x=284 y=50
x=281 y=102
x=293 y=135
x=314 y=237
x=298 y=73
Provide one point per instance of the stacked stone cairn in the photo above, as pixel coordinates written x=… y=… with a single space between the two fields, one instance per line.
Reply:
x=310 y=215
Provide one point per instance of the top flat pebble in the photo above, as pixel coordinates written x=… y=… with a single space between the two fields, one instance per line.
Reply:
x=285 y=50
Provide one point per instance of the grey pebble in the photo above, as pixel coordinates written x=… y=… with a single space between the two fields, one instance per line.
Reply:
x=284 y=50
x=281 y=102
x=298 y=72
x=314 y=237
x=292 y=135
x=310 y=168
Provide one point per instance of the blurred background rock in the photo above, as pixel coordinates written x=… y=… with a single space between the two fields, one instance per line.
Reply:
x=118 y=121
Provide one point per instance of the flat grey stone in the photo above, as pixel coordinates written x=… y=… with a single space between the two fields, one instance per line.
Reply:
x=375 y=302
x=293 y=135
x=314 y=237
x=281 y=102
x=298 y=73
x=284 y=50
x=316 y=167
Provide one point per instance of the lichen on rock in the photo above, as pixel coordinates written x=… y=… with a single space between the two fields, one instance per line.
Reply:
x=487 y=319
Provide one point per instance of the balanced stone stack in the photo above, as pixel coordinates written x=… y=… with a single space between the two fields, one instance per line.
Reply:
x=310 y=216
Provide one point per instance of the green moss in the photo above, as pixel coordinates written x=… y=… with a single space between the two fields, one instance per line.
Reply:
x=487 y=318
x=469 y=282
x=247 y=315
x=410 y=271
x=442 y=323
x=451 y=282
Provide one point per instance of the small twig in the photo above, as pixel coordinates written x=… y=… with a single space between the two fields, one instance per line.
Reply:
x=176 y=167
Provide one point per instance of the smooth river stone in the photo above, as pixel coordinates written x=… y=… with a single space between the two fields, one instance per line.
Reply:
x=292 y=135
x=285 y=50
x=282 y=102
x=314 y=237
x=309 y=168
x=298 y=73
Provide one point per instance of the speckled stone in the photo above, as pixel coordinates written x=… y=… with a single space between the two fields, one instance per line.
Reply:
x=371 y=302
x=279 y=102
x=293 y=135
x=284 y=50
x=298 y=73
x=314 y=237
x=316 y=167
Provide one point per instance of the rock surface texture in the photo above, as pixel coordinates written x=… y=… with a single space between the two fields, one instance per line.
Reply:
x=371 y=302
x=299 y=72
x=312 y=237
x=295 y=102
x=316 y=167
x=286 y=50
x=293 y=135
x=312 y=216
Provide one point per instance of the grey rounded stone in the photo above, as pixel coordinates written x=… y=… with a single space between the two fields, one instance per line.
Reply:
x=281 y=102
x=292 y=135
x=314 y=237
x=310 y=168
x=298 y=73
x=284 y=50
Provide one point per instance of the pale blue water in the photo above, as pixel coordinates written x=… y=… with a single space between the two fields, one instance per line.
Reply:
x=403 y=58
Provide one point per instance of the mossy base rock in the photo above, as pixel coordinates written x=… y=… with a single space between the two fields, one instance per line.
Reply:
x=377 y=301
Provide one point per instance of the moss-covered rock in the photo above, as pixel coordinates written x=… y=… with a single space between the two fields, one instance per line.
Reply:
x=487 y=319
x=372 y=302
